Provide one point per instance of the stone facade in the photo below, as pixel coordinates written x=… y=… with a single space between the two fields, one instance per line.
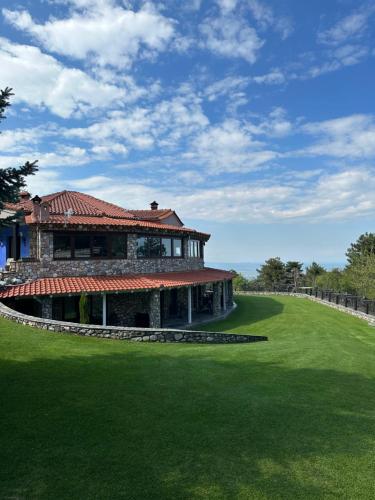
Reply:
x=216 y=305
x=131 y=334
x=41 y=263
x=155 y=320
x=123 y=308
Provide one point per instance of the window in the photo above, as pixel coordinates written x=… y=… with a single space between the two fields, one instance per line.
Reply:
x=89 y=246
x=118 y=246
x=177 y=248
x=195 y=248
x=99 y=246
x=62 y=248
x=166 y=247
x=142 y=247
x=151 y=247
x=82 y=247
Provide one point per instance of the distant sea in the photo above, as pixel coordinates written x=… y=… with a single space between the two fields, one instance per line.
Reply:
x=249 y=269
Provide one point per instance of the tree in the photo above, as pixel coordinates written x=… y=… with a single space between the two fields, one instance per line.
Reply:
x=365 y=245
x=12 y=179
x=240 y=282
x=362 y=275
x=294 y=273
x=84 y=316
x=272 y=273
x=332 y=280
x=312 y=273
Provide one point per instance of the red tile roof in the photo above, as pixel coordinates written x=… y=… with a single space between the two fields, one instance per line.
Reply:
x=88 y=210
x=96 y=284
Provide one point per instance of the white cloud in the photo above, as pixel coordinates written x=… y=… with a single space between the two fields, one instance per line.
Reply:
x=351 y=136
x=164 y=124
x=226 y=86
x=227 y=5
x=103 y=34
x=40 y=80
x=267 y=18
x=340 y=57
x=228 y=147
x=352 y=26
x=274 y=77
x=230 y=36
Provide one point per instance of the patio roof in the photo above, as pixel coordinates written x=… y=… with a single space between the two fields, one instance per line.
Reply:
x=123 y=283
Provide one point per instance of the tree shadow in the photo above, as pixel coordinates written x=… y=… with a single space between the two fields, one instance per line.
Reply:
x=250 y=310
x=175 y=422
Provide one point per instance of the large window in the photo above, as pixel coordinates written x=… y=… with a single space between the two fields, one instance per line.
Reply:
x=149 y=247
x=195 y=249
x=89 y=246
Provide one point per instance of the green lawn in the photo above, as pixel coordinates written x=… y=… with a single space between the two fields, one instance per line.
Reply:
x=291 y=418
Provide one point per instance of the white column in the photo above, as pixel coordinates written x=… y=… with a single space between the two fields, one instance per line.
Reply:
x=104 y=309
x=189 y=306
x=224 y=295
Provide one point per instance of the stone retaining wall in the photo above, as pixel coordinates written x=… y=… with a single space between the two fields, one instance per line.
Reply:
x=132 y=334
x=358 y=314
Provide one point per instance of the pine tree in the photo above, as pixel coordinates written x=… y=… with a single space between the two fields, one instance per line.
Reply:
x=12 y=179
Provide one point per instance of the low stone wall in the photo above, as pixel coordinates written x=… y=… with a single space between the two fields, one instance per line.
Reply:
x=132 y=334
x=358 y=314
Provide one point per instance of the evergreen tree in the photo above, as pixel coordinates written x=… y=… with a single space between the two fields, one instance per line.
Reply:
x=12 y=179
x=365 y=245
x=294 y=272
x=312 y=273
x=272 y=273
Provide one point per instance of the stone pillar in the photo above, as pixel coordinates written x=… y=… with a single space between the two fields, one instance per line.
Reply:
x=216 y=306
x=46 y=307
x=104 y=309
x=154 y=308
x=189 y=316
x=132 y=247
x=230 y=293
x=224 y=295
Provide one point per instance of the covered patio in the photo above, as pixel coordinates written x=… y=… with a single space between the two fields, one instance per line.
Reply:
x=151 y=300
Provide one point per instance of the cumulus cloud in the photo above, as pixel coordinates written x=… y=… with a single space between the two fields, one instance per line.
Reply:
x=350 y=136
x=165 y=124
x=105 y=34
x=228 y=147
x=229 y=36
x=39 y=79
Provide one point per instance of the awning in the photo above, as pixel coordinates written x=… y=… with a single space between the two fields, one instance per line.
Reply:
x=124 y=283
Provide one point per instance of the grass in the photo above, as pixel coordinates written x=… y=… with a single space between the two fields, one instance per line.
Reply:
x=292 y=418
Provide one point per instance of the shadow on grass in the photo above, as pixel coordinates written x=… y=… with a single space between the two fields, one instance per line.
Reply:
x=249 y=310
x=174 y=424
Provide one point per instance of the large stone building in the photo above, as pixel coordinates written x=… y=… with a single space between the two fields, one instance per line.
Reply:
x=135 y=267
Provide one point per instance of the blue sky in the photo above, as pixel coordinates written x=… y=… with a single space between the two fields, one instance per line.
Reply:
x=253 y=119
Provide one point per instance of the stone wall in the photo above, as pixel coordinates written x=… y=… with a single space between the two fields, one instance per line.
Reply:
x=123 y=308
x=47 y=267
x=358 y=314
x=132 y=334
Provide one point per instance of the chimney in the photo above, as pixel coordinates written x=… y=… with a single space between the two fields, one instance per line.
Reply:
x=24 y=196
x=40 y=210
x=154 y=205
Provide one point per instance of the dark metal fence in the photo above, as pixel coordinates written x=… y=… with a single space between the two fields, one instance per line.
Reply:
x=344 y=299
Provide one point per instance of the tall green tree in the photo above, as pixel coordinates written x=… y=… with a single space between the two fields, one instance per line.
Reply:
x=272 y=273
x=361 y=275
x=240 y=283
x=12 y=179
x=365 y=245
x=294 y=273
x=312 y=273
